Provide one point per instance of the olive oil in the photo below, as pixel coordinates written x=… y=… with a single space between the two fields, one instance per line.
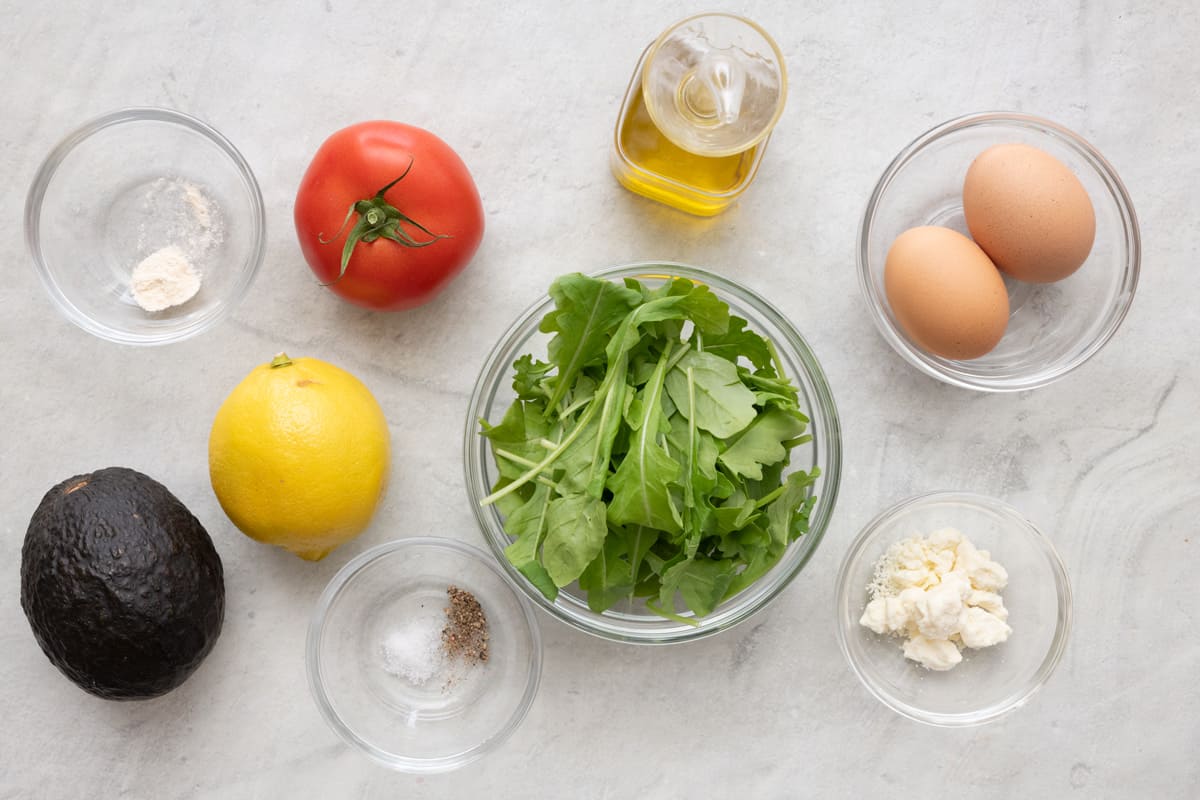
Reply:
x=648 y=163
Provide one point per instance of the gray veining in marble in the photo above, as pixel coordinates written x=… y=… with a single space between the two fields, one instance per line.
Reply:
x=1107 y=460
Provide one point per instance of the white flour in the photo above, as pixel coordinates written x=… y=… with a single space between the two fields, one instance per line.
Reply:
x=163 y=279
x=181 y=229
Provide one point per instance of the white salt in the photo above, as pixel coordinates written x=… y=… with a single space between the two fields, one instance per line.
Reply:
x=413 y=651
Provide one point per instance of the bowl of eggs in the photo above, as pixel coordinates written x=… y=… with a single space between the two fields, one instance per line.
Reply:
x=998 y=252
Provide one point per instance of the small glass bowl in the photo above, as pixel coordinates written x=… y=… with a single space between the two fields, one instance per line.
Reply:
x=1052 y=328
x=989 y=682
x=632 y=622
x=461 y=711
x=126 y=185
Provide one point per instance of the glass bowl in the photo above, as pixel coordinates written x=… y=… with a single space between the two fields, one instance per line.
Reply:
x=385 y=696
x=632 y=622
x=1052 y=328
x=989 y=682
x=125 y=186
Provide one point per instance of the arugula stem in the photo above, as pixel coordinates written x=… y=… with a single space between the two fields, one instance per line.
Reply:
x=578 y=404
x=525 y=462
x=508 y=455
x=693 y=455
x=677 y=357
x=779 y=370
x=769 y=496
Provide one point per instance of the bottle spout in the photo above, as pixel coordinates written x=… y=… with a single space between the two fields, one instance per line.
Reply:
x=714 y=84
x=716 y=87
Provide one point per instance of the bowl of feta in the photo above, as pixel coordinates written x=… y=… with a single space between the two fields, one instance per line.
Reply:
x=953 y=609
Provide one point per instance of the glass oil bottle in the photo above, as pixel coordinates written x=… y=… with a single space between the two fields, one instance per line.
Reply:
x=698 y=112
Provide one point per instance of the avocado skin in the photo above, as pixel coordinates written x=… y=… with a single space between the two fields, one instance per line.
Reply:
x=121 y=584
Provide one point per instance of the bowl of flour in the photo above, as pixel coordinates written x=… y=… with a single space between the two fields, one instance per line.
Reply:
x=145 y=226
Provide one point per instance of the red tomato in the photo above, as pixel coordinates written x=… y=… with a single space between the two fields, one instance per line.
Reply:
x=403 y=198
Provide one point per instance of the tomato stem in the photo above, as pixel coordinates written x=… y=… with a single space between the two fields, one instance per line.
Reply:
x=379 y=218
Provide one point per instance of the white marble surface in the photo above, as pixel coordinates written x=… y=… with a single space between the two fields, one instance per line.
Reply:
x=1107 y=460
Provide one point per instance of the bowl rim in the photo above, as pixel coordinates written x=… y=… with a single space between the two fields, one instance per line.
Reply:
x=1058 y=644
x=49 y=167
x=932 y=366
x=831 y=472
x=339 y=583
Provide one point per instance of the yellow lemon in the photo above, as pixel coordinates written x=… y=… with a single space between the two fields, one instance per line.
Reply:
x=298 y=455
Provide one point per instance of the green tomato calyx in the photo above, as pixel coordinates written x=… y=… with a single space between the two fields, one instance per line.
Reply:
x=379 y=218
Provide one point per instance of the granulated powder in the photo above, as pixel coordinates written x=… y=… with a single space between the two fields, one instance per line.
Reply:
x=465 y=635
x=413 y=649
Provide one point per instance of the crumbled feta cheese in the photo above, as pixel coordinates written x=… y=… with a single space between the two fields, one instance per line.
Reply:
x=981 y=628
x=935 y=654
x=940 y=592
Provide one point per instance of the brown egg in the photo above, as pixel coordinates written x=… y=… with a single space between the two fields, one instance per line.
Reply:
x=945 y=293
x=1028 y=212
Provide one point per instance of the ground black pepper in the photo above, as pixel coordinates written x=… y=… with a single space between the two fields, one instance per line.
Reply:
x=465 y=635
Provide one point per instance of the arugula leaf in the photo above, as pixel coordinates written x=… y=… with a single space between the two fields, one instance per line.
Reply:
x=763 y=442
x=585 y=463
x=641 y=485
x=702 y=582
x=724 y=405
x=770 y=390
x=609 y=578
x=529 y=378
x=782 y=512
x=575 y=531
x=772 y=480
x=574 y=466
x=737 y=342
x=700 y=479
x=627 y=335
x=697 y=303
x=758 y=563
x=734 y=517
x=638 y=541
x=586 y=313
x=706 y=311
x=528 y=525
x=608 y=424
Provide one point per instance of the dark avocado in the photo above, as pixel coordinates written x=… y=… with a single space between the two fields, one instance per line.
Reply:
x=121 y=584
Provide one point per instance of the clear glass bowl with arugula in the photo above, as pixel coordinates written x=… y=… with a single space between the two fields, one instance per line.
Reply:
x=652 y=452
